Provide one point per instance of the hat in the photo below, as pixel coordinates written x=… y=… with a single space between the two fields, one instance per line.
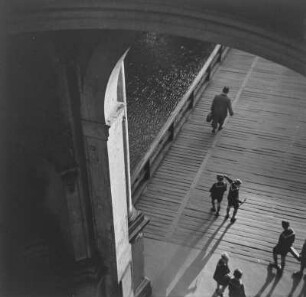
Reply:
x=225 y=90
x=237 y=181
x=237 y=273
x=225 y=256
x=285 y=224
x=220 y=177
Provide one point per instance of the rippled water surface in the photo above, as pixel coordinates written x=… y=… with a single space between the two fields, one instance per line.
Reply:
x=159 y=70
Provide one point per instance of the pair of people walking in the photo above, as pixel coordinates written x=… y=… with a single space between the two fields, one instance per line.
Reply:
x=217 y=192
x=223 y=279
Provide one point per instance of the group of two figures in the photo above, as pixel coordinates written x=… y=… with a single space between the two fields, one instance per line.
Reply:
x=217 y=192
x=224 y=280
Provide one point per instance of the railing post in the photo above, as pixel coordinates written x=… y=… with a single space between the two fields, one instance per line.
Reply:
x=171 y=130
x=191 y=100
x=147 y=169
x=220 y=52
x=208 y=71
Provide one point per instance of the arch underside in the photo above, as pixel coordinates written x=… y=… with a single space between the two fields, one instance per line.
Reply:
x=203 y=25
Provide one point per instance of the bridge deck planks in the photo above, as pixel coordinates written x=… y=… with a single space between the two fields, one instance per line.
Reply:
x=263 y=144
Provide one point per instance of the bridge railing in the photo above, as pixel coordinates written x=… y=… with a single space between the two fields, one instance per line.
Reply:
x=151 y=160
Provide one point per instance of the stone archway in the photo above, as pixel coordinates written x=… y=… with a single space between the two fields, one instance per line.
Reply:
x=128 y=241
x=273 y=30
x=118 y=158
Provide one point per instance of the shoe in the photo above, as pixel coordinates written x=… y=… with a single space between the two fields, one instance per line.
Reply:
x=213 y=209
x=279 y=267
x=297 y=274
x=220 y=128
x=217 y=214
x=218 y=293
x=227 y=216
x=233 y=220
x=213 y=131
x=272 y=265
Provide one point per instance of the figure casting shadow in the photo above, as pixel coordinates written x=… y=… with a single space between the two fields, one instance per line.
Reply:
x=269 y=278
x=181 y=287
x=295 y=283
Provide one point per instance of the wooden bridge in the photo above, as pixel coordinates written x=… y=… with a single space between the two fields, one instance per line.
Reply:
x=263 y=144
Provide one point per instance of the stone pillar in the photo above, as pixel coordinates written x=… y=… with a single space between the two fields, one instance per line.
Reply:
x=115 y=118
x=104 y=141
x=73 y=177
x=142 y=285
x=105 y=130
x=121 y=91
x=88 y=276
x=137 y=221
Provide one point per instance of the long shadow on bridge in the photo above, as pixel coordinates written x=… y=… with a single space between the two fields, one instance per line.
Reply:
x=181 y=254
x=191 y=273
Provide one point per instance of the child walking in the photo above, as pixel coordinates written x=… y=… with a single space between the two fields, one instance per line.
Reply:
x=235 y=286
x=221 y=275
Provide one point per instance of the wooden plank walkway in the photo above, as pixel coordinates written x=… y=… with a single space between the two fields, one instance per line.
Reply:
x=263 y=145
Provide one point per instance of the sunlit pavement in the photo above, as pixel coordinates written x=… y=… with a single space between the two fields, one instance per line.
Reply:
x=178 y=271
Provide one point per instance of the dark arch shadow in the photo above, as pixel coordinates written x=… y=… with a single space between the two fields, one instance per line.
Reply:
x=192 y=272
x=175 y=20
x=269 y=278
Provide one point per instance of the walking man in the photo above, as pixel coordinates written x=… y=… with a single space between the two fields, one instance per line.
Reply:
x=219 y=107
x=285 y=241
x=216 y=193
x=233 y=197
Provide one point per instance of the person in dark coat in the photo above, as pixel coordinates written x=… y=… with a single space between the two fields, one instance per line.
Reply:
x=235 y=286
x=216 y=192
x=302 y=260
x=233 y=197
x=221 y=275
x=285 y=241
x=219 y=108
